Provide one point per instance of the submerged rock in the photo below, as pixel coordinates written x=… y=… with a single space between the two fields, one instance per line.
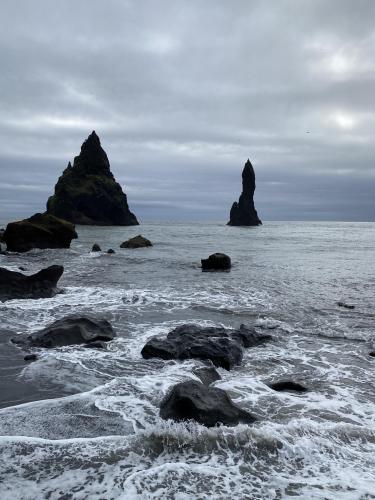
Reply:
x=224 y=347
x=347 y=306
x=206 y=405
x=15 y=285
x=96 y=248
x=288 y=385
x=243 y=212
x=97 y=344
x=87 y=192
x=30 y=357
x=207 y=375
x=216 y=261
x=69 y=331
x=136 y=242
x=39 y=231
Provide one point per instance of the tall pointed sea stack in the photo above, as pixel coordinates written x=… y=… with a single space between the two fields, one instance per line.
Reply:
x=243 y=213
x=87 y=192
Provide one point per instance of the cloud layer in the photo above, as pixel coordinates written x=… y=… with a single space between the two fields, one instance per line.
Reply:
x=183 y=92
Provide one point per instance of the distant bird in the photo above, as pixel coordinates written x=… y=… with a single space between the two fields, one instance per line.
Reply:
x=307 y=132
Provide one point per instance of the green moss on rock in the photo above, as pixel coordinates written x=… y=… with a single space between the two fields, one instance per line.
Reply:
x=39 y=231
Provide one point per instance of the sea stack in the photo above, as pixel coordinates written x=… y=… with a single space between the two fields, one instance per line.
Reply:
x=243 y=213
x=87 y=192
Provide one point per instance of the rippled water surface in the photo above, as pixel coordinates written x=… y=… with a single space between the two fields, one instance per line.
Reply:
x=84 y=424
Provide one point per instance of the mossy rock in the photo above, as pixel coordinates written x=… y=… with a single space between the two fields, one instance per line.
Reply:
x=136 y=242
x=39 y=231
x=87 y=193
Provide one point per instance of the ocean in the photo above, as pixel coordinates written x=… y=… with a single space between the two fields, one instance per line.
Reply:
x=84 y=424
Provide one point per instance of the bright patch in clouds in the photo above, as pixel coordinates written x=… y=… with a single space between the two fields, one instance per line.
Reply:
x=343 y=120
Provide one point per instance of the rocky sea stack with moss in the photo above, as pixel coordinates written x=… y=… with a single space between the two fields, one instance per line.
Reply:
x=87 y=192
x=243 y=212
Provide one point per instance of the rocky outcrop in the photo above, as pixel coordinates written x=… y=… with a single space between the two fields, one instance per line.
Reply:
x=209 y=406
x=222 y=346
x=96 y=248
x=243 y=212
x=15 y=285
x=69 y=331
x=216 y=262
x=288 y=386
x=136 y=242
x=87 y=192
x=39 y=231
x=207 y=375
x=346 y=306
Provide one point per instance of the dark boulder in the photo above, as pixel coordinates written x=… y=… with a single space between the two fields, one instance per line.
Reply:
x=39 y=231
x=288 y=386
x=206 y=405
x=69 y=331
x=207 y=375
x=96 y=248
x=30 y=357
x=216 y=261
x=87 y=192
x=110 y=251
x=15 y=285
x=346 y=306
x=243 y=212
x=136 y=242
x=372 y=354
x=224 y=347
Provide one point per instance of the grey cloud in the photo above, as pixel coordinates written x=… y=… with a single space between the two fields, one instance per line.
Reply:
x=182 y=93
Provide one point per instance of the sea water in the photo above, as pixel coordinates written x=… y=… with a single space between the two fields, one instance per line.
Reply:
x=84 y=424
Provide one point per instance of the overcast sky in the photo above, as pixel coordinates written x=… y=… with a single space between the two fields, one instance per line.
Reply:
x=182 y=92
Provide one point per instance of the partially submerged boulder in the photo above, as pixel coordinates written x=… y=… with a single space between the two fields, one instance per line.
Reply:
x=207 y=375
x=110 y=251
x=39 y=231
x=216 y=262
x=30 y=357
x=222 y=346
x=97 y=344
x=96 y=248
x=15 y=285
x=136 y=242
x=345 y=305
x=87 y=192
x=206 y=405
x=69 y=331
x=288 y=386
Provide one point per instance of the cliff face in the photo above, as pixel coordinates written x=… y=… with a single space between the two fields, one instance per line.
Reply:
x=87 y=192
x=243 y=212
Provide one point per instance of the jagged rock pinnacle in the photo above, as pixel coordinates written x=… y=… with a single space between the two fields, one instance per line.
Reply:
x=87 y=192
x=243 y=212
